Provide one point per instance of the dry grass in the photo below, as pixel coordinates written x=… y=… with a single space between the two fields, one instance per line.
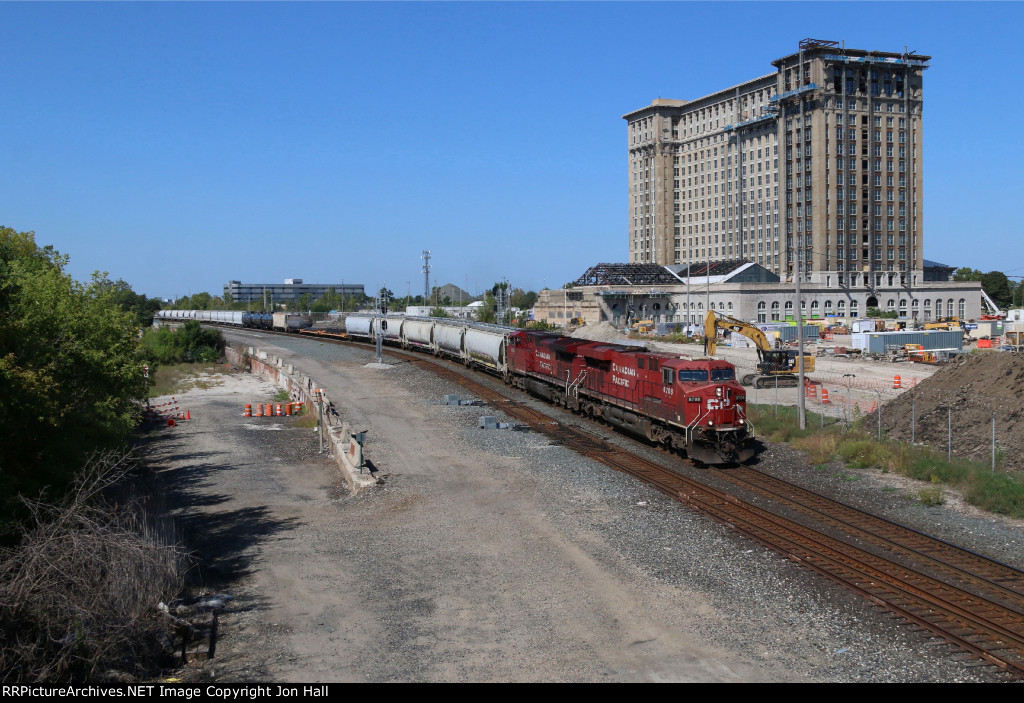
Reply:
x=820 y=448
x=172 y=379
x=78 y=595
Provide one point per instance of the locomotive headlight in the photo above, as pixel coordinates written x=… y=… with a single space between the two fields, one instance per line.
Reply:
x=742 y=422
x=718 y=391
x=710 y=422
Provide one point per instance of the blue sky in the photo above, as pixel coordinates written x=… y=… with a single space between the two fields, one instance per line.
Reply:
x=180 y=145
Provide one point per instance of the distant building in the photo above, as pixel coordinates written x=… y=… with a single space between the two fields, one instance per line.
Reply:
x=464 y=313
x=268 y=294
x=624 y=293
x=821 y=158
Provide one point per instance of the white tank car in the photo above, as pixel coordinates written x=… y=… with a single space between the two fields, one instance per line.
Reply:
x=418 y=332
x=393 y=330
x=448 y=338
x=359 y=325
x=486 y=346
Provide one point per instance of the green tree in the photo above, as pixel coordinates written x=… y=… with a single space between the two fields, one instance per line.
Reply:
x=141 y=307
x=967 y=274
x=438 y=312
x=330 y=300
x=304 y=301
x=70 y=369
x=488 y=311
x=188 y=343
x=997 y=285
x=523 y=300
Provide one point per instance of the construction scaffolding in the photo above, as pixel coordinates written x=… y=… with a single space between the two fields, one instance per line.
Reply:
x=627 y=275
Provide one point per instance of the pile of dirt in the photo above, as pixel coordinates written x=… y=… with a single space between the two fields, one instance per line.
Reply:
x=601 y=332
x=976 y=387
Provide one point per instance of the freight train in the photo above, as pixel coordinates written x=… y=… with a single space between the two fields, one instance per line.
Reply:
x=693 y=406
x=280 y=321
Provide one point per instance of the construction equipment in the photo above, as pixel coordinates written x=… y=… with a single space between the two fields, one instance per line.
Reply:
x=944 y=323
x=642 y=327
x=774 y=366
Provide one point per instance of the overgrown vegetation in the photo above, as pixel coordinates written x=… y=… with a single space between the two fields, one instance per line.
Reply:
x=71 y=375
x=188 y=343
x=78 y=594
x=858 y=448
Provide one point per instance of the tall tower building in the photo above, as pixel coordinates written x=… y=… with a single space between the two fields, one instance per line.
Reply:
x=819 y=161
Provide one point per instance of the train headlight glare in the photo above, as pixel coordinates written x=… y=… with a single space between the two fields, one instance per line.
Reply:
x=718 y=391
x=710 y=422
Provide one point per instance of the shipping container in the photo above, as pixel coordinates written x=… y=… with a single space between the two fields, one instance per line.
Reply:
x=930 y=340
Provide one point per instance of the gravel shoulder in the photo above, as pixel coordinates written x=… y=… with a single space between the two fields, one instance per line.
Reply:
x=492 y=555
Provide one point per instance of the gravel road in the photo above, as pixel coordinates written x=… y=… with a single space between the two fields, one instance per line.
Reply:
x=493 y=555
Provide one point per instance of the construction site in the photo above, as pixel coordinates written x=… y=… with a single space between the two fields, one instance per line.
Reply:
x=960 y=396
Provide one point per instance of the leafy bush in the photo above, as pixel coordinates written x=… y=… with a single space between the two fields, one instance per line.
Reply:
x=188 y=343
x=71 y=377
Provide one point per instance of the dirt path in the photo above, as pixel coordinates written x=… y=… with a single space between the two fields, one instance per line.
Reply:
x=452 y=571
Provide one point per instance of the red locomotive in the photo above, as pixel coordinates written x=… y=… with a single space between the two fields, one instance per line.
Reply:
x=695 y=406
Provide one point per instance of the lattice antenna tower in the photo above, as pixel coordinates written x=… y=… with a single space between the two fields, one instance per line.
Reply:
x=426 y=274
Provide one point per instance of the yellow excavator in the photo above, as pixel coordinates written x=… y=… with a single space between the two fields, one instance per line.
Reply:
x=774 y=366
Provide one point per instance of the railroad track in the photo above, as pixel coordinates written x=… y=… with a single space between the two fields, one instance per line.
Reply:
x=964 y=598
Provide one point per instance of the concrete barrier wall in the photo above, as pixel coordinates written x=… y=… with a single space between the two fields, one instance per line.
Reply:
x=337 y=435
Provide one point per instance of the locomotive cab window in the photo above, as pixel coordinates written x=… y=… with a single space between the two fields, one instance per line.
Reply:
x=723 y=374
x=691 y=375
x=640 y=362
x=654 y=364
x=666 y=377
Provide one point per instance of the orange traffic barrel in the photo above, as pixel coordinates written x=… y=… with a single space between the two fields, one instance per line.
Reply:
x=288 y=409
x=248 y=410
x=259 y=409
x=895 y=381
x=298 y=408
x=277 y=410
x=812 y=390
x=824 y=396
x=268 y=410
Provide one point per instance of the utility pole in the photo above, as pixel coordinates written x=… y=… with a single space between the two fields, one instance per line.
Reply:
x=426 y=276
x=800 y=404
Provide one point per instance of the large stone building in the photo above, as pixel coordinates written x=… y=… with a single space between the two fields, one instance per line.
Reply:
x=819 y=160
x=269 y=294
x=624 y=293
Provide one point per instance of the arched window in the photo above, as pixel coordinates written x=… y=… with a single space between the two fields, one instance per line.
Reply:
x=775 y=310
x=962 y=310
x=842 y=306
x=853 y=308
x=814 y=305
x=828 y=307
x=949 y=308
x=890 y=304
